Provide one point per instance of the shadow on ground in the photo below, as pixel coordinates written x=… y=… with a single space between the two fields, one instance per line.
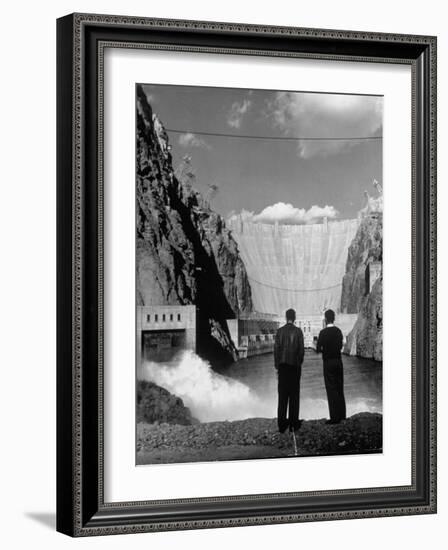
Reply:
x=48 y=519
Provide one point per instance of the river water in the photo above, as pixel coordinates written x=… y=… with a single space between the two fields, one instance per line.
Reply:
x=362 y=384
x=248 y=388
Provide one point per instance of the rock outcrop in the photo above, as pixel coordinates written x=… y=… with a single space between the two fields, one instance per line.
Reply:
x=366 y=337
x=366 y=247
x=184 y=254
x=156 y=404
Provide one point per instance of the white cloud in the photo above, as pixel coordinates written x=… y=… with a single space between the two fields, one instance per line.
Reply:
x=286 y=213
x=237 y=111
x=191 y=140
x=326 y=115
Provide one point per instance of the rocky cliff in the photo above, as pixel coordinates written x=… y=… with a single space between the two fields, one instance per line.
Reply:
x=366 y=247
x=184 y=253
x=366 y=337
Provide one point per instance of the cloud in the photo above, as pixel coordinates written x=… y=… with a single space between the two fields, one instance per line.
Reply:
x=325 y=115
x=192 y=140
x=237 y=111
x=286 y=213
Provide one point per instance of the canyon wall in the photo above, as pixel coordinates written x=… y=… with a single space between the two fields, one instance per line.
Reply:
x=184 y=253
x=366 y=247
x=366 y=337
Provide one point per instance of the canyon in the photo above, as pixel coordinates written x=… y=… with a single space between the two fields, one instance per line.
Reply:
x=188 y=254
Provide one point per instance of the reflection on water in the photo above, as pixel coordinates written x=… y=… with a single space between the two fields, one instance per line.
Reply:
x=362 y=384
x=248 y=388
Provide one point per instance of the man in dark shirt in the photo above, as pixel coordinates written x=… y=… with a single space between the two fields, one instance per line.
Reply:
x=330 y=345
x=288 y=358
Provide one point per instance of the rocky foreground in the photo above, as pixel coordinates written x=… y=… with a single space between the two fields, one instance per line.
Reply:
x=256 y=438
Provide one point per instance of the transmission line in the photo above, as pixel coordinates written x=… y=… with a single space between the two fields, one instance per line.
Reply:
x=276 y=138
x=294 y=289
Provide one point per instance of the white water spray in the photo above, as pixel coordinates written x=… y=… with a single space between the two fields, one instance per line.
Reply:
x=209 y=395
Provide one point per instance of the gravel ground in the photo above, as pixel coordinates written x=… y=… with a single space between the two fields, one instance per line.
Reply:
x=256 y=438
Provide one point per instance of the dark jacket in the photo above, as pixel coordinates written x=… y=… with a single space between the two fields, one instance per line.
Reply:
x=288 y=348
x=329 y=343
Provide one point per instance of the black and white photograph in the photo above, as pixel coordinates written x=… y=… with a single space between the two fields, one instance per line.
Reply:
x=258 y=273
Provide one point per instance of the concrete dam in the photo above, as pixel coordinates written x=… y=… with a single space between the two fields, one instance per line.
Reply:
x=298 y=266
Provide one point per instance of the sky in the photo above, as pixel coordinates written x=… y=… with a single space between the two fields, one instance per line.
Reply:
x=277 y=178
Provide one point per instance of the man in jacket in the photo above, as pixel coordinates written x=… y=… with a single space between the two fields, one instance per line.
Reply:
x=329 y=344
x=288 y=357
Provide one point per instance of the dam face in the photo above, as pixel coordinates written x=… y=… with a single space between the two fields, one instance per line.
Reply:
x=298 y=266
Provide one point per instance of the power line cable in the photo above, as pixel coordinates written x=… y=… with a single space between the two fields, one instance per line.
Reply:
x=294 y=289
x=275 y=138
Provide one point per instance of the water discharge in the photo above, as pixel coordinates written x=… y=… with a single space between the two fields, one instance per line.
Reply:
x=248 y=388
x=209 y=395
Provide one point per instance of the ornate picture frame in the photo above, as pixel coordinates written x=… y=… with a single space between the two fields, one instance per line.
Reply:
x=81 y=506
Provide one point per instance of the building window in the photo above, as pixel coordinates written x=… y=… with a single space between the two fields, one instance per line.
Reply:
x=178 y=316
x=156 y=318
x=163 y=317
x=148 y=318
x=171 y=316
